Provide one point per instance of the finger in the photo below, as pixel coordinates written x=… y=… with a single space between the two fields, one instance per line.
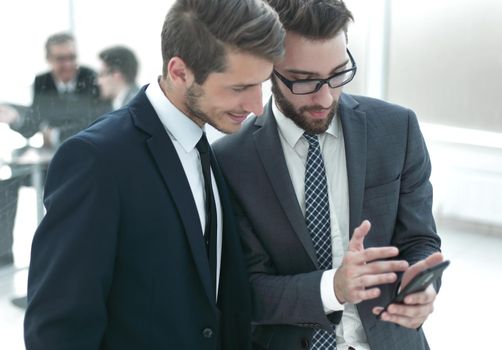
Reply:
x=416 y=268
x=374 y=280
x=356 y=242
x=371 y=254
x=356 y=296
x=377 y=267
x=411 y=311
x=425 y=297
x=377 y=310
x=403 y=321
x=434 y=259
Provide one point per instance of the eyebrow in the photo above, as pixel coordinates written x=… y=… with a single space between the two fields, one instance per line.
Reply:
x=303 y=72
x=244 y=86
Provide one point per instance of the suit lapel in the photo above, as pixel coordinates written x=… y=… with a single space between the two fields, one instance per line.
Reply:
x=269 y=148
x=355 y=137
x=169 y=166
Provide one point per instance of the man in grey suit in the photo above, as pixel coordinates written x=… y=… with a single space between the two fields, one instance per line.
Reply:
x=305 y=174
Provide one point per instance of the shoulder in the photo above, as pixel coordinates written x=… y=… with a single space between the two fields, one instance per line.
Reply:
x=373 y=106
x=42 y=79
x=112 y=133
x=86 y=72
x=380 y=113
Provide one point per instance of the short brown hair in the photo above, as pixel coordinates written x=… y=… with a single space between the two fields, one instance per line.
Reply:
x=121 y=59
x=58 y=39
x=313 y=19
x=201 y=32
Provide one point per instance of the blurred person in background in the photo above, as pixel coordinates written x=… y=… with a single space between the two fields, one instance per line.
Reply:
x=66 y=99
x=117 y=75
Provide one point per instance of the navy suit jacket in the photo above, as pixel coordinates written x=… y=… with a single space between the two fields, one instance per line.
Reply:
x=119 y=260
x=388 y=172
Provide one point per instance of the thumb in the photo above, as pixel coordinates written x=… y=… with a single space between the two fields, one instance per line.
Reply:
x=416 y=268
x=357 y=240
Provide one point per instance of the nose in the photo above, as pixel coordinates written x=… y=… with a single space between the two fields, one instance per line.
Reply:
x=254 y=101
x=324 y=97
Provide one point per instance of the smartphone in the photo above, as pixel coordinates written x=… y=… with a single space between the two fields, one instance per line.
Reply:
x=419 y=283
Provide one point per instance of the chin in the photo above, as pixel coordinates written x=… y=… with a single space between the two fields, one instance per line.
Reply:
x=227 y=128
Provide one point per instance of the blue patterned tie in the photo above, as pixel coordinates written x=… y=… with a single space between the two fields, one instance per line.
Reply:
x=318 y=224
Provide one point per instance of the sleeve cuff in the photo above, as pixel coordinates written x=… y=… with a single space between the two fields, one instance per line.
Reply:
x=329 y=301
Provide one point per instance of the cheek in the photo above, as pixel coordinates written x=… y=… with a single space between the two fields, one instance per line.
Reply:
x=300 y=101
x=227 y=102
x=337 y=92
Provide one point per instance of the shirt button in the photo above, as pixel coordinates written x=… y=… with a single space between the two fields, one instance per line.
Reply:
x=304 y=343
x=207 y=333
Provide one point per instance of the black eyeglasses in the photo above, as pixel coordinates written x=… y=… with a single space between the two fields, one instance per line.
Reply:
x=65 y=58
x=309 y=86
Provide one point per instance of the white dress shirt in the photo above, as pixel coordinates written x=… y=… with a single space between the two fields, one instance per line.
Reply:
x=350 y=331
x=68 y=87
x=118 y=101
x=185 y=134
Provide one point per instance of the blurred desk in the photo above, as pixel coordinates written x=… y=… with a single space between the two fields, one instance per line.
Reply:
x=31 y=161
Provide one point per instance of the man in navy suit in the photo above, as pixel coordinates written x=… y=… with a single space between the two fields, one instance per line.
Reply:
x=138 y=249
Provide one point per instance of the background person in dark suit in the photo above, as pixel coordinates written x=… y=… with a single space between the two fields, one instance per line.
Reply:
x=117 y=75
x=306 y=174
x=138 y=249
x=65 y=99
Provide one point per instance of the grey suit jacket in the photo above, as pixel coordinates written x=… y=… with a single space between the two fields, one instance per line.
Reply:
x=388 y=174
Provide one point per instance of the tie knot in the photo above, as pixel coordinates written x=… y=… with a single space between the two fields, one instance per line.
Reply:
x=203 y=144
x=312 y=139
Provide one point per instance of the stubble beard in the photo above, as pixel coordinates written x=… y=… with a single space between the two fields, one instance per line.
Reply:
x=298 y=116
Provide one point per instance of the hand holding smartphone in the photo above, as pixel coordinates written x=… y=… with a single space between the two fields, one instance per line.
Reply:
x=419 y=283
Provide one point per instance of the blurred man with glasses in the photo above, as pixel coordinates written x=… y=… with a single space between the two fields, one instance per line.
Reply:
x=65 y=99
x=333 y=199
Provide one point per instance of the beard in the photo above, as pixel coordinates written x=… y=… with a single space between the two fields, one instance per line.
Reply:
x=192 y=97
x=299 y=117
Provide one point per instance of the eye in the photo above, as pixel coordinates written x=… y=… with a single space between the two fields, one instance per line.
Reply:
x=305 y=77
x=239 y=89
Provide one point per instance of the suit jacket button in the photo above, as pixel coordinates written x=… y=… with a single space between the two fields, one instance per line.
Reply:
x=207 y=333
x=304 y=343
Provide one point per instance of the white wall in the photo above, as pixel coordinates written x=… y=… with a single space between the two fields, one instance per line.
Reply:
x=24 y=27
x=466 y=174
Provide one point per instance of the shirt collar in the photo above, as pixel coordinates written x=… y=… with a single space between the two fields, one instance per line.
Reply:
x=292 y=132
x=118 y=101
x=177 y=124
x=66 y=87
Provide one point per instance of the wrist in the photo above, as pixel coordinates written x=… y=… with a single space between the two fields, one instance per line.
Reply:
x=337 y=290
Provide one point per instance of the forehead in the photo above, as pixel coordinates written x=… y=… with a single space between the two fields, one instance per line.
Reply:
x=243 y=69
x=68 y=46
x=319 y=56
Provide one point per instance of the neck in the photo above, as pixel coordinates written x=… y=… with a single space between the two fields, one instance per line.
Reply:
x=178 y=100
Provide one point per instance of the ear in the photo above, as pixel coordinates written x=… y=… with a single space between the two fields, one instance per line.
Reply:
x=179 y=73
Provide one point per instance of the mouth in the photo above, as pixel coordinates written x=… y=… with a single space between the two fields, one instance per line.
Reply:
x=319 y=113
x=238 y=118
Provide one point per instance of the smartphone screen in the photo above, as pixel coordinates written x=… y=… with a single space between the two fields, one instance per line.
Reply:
x=419 y=283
